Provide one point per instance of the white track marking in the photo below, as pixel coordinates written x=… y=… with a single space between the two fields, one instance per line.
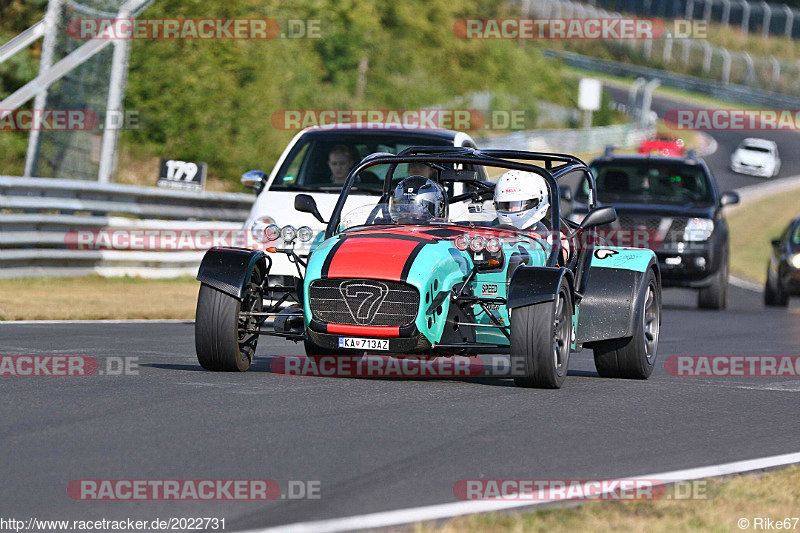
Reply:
x=450 y=510
x=745 y=284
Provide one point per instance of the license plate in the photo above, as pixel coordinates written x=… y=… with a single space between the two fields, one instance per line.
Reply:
x=364 y=344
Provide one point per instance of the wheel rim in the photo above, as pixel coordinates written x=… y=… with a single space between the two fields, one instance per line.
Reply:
x=249 y=323
x=561 y=334
x=652 y=322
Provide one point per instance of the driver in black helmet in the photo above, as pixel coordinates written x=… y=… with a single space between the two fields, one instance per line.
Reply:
x=417 y=200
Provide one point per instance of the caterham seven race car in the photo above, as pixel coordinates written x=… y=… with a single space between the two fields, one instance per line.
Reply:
x=462 y=281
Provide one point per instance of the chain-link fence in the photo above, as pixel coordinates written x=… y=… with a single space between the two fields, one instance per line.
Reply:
x=75 y=154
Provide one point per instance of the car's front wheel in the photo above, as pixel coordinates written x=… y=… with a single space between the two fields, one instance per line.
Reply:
x=225 y=327
x=634 y=357
x=715 y=296
x=541 y=337
x=774 y=295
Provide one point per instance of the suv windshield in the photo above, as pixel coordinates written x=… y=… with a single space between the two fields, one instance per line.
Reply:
x=649 y=182
x=751 y=148
x=795 y=240
x=322 y=162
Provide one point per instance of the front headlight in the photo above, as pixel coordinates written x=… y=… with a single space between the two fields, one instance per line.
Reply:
x=796 y=261
x=698 y=229
x=257 y=227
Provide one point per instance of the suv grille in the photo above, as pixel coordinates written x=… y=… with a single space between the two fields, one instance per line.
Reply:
x=671 y=228
x=363 y=302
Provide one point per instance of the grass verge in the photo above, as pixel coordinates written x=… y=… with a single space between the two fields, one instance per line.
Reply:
x=753 y=226
x=775 y=495
x=96 y=298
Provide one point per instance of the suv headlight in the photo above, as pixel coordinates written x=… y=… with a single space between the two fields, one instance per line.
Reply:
x=796 y=261
x=257 y=227
x=698 y=229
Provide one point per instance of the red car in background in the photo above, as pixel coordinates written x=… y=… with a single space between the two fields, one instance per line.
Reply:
x=668 y=146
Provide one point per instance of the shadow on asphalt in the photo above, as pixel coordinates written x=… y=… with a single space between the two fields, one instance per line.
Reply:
x=264 y=364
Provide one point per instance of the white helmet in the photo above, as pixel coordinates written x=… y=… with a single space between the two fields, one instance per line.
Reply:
x=521 y=198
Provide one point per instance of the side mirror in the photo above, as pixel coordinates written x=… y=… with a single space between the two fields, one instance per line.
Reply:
x=305 y=204
x=775 y=243
x=729 y=198
x=599 y=216
x=254 y=179
x=565 y=193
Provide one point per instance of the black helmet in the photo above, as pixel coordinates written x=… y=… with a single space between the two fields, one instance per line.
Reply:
x=416 y=200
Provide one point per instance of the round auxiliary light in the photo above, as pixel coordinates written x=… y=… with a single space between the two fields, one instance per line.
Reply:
x=288 y=233
x=493 y=245
x=462 y=242
x=272 y=232
x=305 y=234
x=477 y=244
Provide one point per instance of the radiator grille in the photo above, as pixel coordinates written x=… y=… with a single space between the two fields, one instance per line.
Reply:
x=363 y=302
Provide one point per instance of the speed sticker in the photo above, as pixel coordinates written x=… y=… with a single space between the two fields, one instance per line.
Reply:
x=364 y=344
x=488 y=289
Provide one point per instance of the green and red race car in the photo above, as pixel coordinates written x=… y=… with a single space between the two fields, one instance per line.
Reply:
x=459 y=283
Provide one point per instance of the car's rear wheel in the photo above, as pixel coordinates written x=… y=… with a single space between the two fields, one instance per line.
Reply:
x=224 y=328
x=715 y=296
x=774 y=295
x=634 y=357
x=541 y=336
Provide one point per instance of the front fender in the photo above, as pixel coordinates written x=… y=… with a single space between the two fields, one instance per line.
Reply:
x=228 y=269
x=535 y=285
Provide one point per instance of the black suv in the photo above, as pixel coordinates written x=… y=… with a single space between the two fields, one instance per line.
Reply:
x=677 y=199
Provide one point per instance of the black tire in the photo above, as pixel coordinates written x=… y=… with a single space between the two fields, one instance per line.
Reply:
x=774 y=295
x=634 y=357
x=715 y=296
x=220 y=341
x=540 y=341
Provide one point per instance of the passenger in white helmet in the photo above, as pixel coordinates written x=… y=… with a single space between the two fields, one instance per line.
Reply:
x=521 y=200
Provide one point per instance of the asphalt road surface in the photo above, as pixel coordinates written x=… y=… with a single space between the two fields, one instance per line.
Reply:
x=372 y=444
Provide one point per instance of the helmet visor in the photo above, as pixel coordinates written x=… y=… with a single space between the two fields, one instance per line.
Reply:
x=517 y=206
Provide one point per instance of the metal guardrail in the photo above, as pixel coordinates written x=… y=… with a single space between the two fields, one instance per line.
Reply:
x=37 y=214
x=623 y=136
x=733 y=93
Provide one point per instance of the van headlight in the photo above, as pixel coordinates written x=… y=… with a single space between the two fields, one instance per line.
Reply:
x=257 y=227
x=796 y=261
x=698 y=229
